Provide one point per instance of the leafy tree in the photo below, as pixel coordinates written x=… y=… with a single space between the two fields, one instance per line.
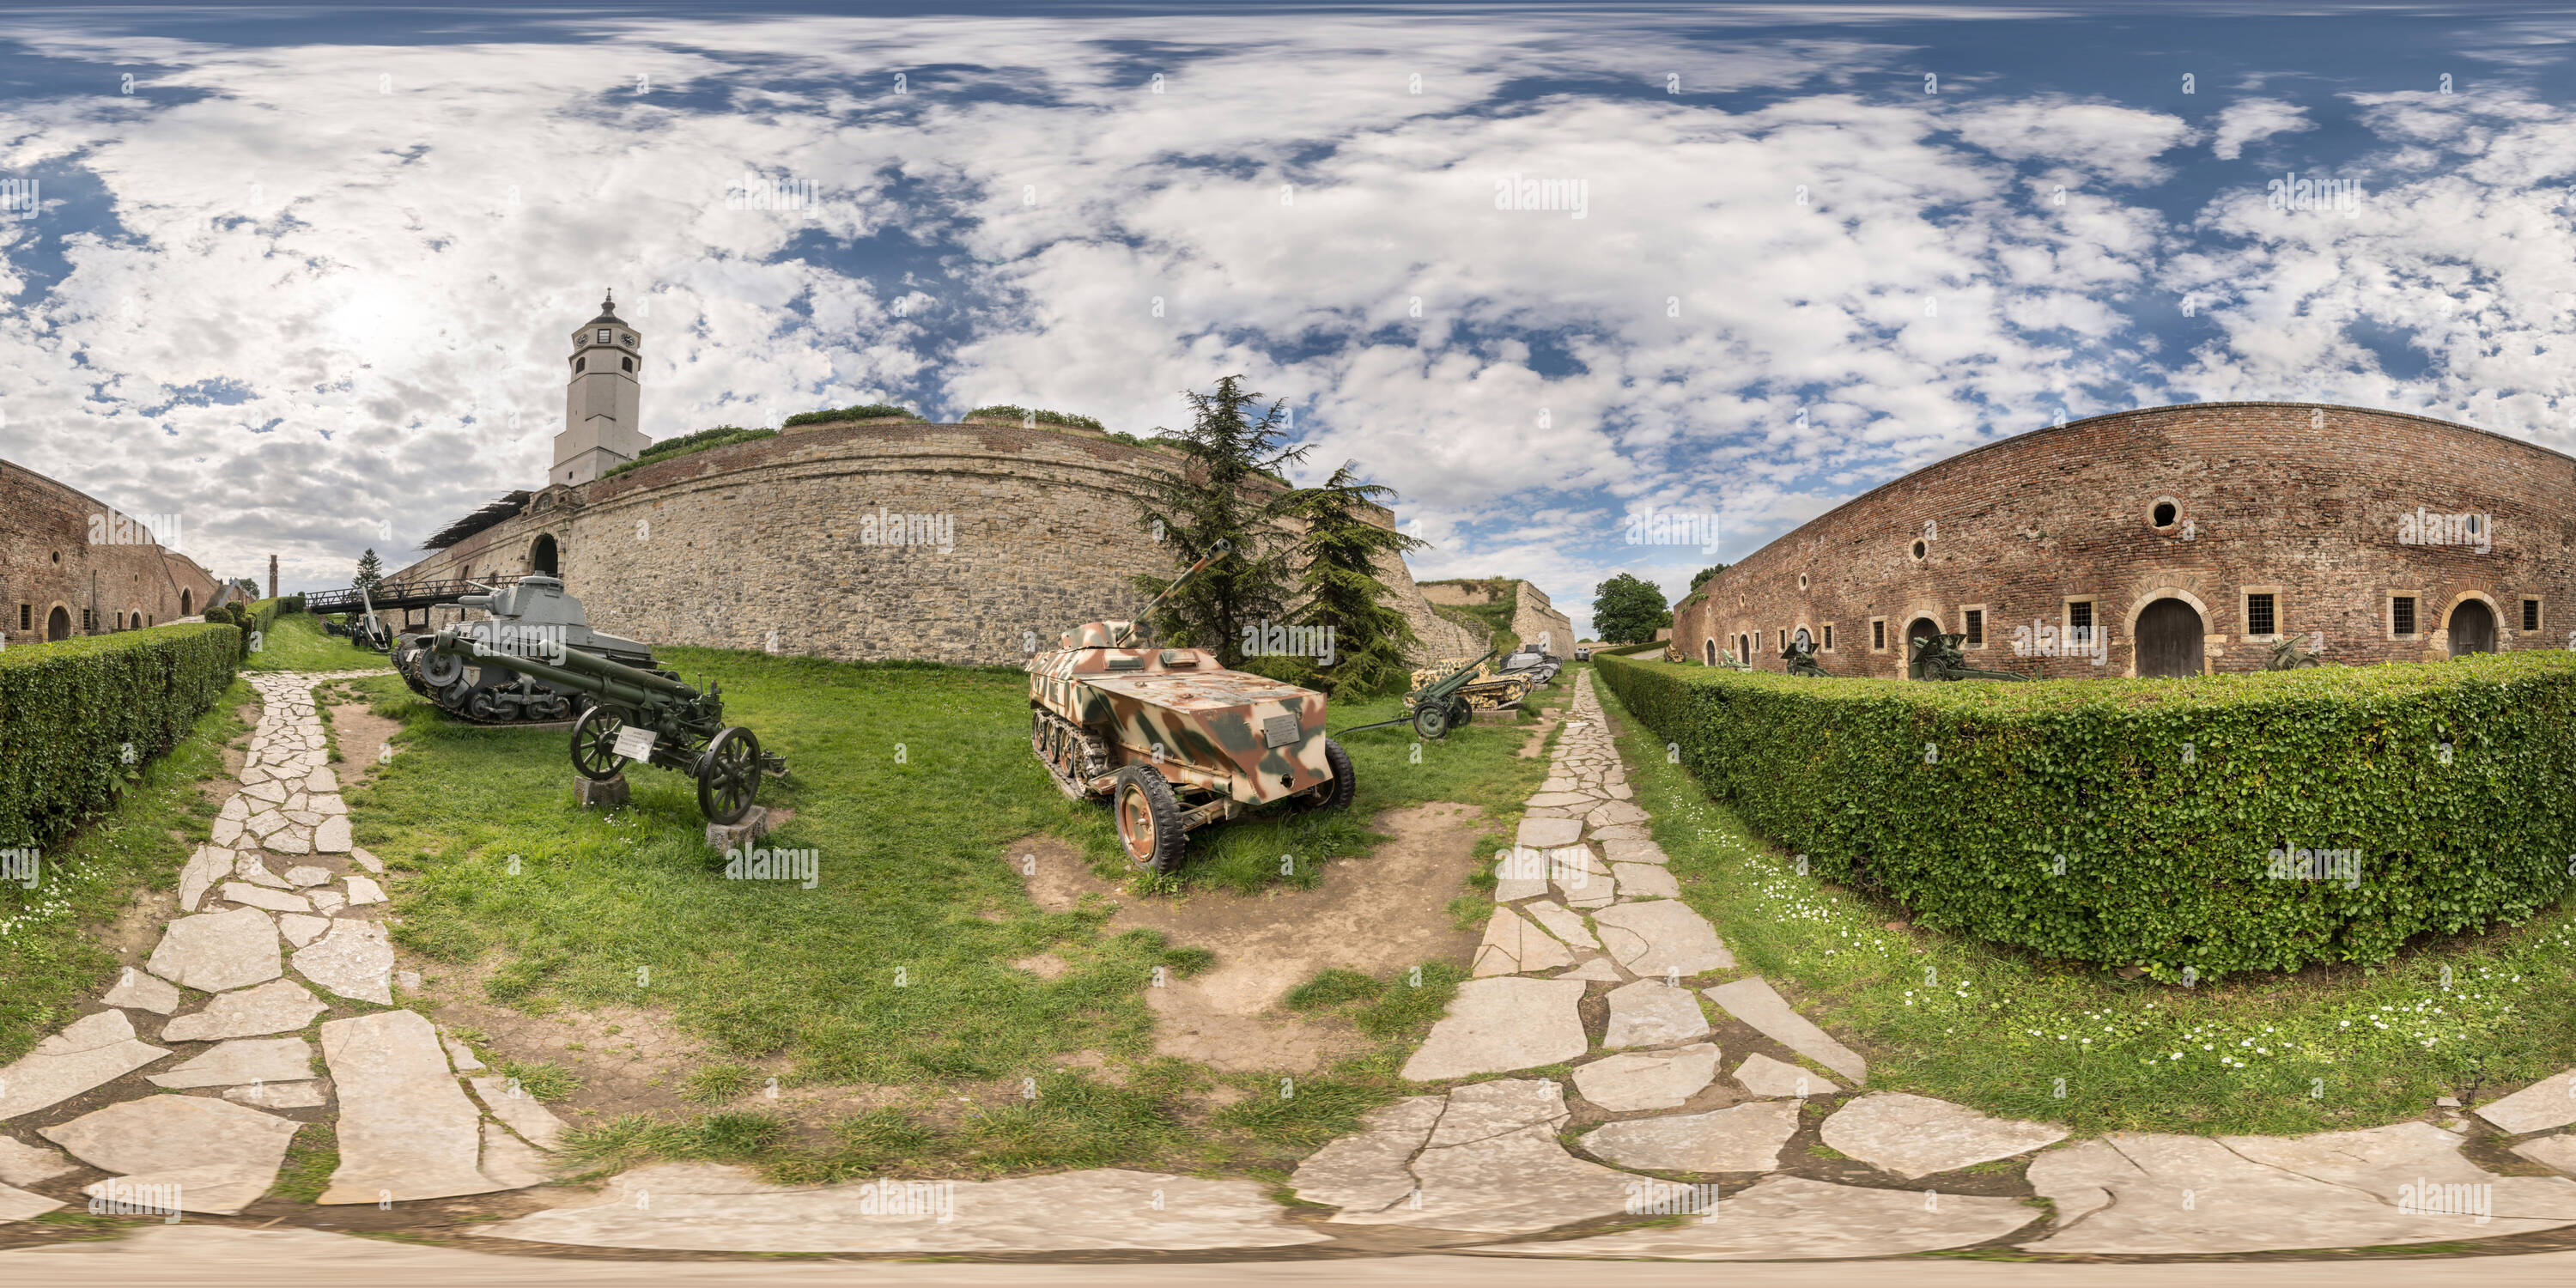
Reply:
x=1202 y=508
x=1339 y=556
x=371 y=570
x=1628 y=610
x=1706 y=573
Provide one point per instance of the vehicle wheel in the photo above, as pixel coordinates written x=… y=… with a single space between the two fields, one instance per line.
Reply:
x=1336 y=794
x=1461 y=713
x=729 y=776
x=1431 y=721
x=594 y=744
x=1149 y=820
x=439 y=670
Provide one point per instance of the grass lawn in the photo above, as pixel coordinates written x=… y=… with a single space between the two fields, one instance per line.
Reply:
x=51 y=960
x=1995 y=1029
x=908 y=783
x=295 y=642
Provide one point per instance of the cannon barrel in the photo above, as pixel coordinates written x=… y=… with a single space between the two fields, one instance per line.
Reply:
x=577 y=670
x=1460 y=678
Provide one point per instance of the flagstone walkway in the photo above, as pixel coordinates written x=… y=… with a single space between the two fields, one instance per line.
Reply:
x=277 y=929
x=1681 y=1066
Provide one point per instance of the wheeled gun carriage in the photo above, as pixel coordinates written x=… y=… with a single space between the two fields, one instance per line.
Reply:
x=1801 y=657
x=632 y=713
x=1440 y=704
x=366 y=629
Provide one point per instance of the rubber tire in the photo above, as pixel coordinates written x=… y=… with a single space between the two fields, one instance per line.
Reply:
x=1163 y=813
x=1336 y=794
x=1462 y=713
x=1430 y=722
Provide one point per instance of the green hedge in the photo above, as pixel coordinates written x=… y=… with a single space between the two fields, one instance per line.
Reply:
x=69 y=710
x=1623 y=650
x=1041 y=415
x=2166 y=799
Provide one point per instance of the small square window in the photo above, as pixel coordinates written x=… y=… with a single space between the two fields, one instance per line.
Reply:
x=2259 y=616
x=603 y=335
x=26 y=617
x=1878 y=634
x=2079 y=621
x=2401 y=614
x=1829 y=637
x=2530 y=615
x=1976 y=627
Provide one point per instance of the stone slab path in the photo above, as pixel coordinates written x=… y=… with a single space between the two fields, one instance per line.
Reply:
x=263 y=1009
x=276 y=928
x=1588 y=913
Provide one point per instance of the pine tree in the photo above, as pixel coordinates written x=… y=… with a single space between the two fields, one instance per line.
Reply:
x=371 y=571
x=1202 y=507
x=1340 y=554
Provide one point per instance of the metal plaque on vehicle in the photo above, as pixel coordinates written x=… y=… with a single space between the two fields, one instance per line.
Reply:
x=1279 y=731
x=634 y=743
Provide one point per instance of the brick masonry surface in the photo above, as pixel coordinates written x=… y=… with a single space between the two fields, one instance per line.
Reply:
x=2300 y=501
x=49 y=564
x=861 y=541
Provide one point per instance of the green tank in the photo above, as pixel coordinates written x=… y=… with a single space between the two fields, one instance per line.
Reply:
x=531 y=618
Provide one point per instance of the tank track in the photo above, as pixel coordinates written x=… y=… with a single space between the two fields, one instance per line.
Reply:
x=459 y=699
x=1055 y=740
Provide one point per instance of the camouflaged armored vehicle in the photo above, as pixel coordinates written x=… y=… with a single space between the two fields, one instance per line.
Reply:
x=1174 y=741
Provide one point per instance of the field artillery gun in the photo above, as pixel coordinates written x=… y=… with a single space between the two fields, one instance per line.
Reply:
x=631 y=713
x=366 y=629
x=2288 y=656
x=1472 y=684
x=1437 y=705
x=1172 y=740
x=1938 y=658
x=1801 y=657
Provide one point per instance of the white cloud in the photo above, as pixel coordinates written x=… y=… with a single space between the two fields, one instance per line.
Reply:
x=2253 y=120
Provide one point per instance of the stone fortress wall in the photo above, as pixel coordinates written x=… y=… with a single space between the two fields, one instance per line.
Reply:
x=2318 y=507
x=68 y=566
x=1534 y=615
x=859 y=541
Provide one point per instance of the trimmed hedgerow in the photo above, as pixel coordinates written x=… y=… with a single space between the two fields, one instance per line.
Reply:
x=70 y=710
x=866 y=412
x=2136 y=822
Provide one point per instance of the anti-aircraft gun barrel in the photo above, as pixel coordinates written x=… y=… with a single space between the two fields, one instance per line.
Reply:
x=1186 y=574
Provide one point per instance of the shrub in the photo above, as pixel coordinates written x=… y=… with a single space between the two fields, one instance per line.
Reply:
x=849 y=413
x=69 y=711
x=685 y=444
x=2137 y=822
x=1006 y=411
x=291 y=604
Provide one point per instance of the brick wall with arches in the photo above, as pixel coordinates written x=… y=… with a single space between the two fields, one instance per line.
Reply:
x=2174 y=541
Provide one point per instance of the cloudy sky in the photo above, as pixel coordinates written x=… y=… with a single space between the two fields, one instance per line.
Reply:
x=303 y=278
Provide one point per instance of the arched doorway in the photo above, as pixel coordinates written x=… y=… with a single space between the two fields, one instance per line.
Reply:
x=1710 y=649
x=58 y=625
x=541 y=556
x=1801 y=638
x=185 y=599
x=1916 y=631
x=2168 y=639
x=2473 y=628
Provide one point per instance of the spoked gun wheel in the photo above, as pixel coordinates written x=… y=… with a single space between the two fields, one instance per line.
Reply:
x=1431 y=720
x=594 y=744
x=729 y=776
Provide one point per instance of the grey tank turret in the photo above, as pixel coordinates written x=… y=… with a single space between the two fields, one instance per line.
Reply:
x=531 y=618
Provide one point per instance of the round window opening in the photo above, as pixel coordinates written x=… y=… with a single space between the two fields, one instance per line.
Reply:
x=2164 y=514
x=1802 y=581
x=1920 y=549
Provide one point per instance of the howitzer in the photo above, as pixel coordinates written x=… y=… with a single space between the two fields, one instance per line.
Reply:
x=1801 y=657
x=1437 y=707
x=1939 y=658
x=634 y=713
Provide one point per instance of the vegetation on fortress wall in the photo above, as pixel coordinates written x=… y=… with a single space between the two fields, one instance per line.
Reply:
x=2157 y=823
x=720 y=436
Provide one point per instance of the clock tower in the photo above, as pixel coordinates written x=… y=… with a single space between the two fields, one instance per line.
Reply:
x=603 y=421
